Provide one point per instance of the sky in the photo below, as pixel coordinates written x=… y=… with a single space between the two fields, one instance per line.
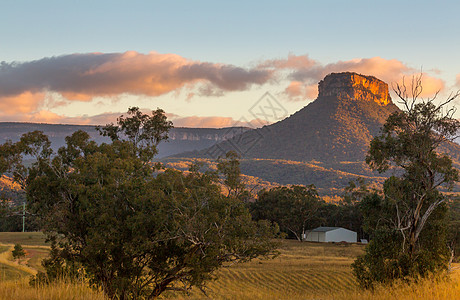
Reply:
x=208 y=63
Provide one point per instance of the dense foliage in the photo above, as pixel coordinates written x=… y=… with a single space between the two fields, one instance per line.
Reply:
x=293 y=208
x=134 y=229
x=408 y=224
x=454 y=228
x=18 y=252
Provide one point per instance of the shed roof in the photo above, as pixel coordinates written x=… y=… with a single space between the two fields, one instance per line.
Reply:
x=324 y=229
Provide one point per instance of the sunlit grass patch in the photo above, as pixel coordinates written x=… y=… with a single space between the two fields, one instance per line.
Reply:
x=21 y=290
x=8 y=272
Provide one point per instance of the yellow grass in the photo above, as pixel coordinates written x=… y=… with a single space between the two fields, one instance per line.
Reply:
x=427 y=289
x=6 y=258
x=301 y=271
x=21 y=290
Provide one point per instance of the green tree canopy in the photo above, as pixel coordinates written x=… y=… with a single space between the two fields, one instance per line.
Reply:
x=136 y=230
x=18 y=252
x=409 y=221
x=293 y=208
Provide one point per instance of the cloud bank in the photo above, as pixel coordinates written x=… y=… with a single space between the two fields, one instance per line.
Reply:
x=30 y=90
x=82 y=77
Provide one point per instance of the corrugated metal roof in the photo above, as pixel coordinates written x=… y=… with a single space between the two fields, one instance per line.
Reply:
x=324 y=229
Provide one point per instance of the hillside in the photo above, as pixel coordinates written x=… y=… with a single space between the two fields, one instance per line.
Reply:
x=324 y=143
x=337 y=126
x=268 y=173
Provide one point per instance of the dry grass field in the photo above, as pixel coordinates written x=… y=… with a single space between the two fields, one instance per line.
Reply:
x=23 y=238
x=300 y=271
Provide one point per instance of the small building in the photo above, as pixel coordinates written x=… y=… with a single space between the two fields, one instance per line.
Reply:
x=331 y=234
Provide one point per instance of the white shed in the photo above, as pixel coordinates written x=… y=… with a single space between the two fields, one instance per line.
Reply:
x=331 y=234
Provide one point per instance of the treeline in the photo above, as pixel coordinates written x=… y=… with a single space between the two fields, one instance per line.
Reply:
x=299 y=209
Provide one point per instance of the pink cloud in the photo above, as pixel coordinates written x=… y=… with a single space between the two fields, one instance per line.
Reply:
x=215 y=122
x=28 y=90
x=300 y=91
x=292 y=62
x=45 y=116
x=81 y=77
x=430 y=85
x=24 y=102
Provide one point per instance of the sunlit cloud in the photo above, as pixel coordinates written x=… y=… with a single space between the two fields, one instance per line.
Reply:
x=206 y=122
x=81 y=77
x=292 y=62
x=30 y=91
x=216 y=122
x=300 y=91
x=46 y=116
x=24 y=102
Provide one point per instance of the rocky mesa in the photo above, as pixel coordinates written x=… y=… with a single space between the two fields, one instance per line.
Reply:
x=338 y=126
x=355 y=86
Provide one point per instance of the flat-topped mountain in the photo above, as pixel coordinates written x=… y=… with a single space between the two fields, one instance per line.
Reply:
x=324 y=143
x=355 y=86
x=337 y=126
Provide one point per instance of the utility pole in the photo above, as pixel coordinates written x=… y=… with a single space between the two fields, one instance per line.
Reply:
x=23 y=217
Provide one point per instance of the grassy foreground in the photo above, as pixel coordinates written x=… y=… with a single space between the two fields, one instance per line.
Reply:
x=21 y=290
x=301 y=271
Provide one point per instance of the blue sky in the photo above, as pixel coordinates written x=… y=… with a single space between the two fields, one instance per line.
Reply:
x=334 y=35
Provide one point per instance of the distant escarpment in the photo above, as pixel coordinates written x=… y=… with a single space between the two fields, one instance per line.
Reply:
x=180 y=139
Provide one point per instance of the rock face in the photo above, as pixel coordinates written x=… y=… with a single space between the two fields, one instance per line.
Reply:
x=354 y=86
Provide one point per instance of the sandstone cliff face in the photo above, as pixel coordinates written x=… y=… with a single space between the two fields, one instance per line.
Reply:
x=200 y=134
x=354 y=86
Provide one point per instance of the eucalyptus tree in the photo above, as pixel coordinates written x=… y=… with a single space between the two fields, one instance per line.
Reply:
x=408 y=223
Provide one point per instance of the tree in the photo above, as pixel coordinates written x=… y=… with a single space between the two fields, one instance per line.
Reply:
x=454 y=229
x=293 y=208
x=10 y=216
x=134 y=229
x=349 y=213
x=143 y=131
x=409 y=230
x=229 y=167
x=18 y=252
